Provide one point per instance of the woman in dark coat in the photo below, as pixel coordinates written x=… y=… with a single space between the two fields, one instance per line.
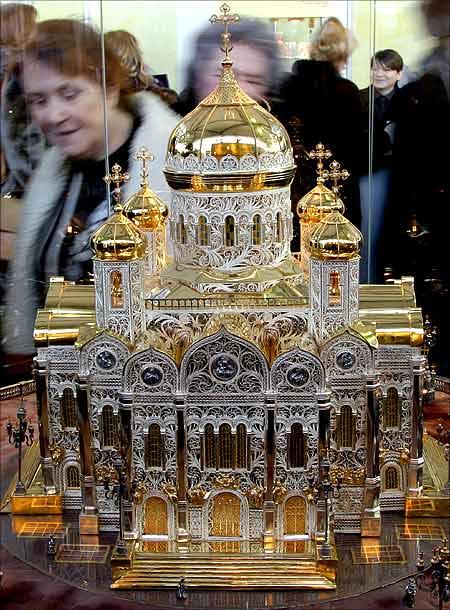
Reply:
x=318 y=105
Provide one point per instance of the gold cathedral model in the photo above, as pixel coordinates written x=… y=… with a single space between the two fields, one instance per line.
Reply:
x=258 y=402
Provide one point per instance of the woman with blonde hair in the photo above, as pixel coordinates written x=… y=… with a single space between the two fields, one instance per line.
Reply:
x=319 y=105
x=333 y=43
x=126 y=46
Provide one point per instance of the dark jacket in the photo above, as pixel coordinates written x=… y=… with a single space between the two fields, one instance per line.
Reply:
x=318 y=105
x=382 y=130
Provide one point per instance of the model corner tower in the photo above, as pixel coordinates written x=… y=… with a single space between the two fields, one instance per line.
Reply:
x=149 y=213
x=335 y=245
x=119 y=260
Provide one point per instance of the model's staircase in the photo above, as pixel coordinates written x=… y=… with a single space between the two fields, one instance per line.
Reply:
x=226 y=570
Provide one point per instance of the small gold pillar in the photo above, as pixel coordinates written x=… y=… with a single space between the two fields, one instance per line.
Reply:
x=41 y=379
x=88 y=519
x=371 y=519
x=415 y=469
x=182 y=507
x=269 y=505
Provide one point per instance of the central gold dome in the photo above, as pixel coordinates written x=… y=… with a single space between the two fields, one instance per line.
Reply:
x=229 y=143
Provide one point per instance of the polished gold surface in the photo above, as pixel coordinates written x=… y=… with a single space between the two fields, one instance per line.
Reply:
x=295 y=516
x=335 y=238
x=226 y=515
x=378 y=554
x=228 y=564
x=155 y=517
x=33 y=504
x=389 y=308
x=145 y=208
x=229 y=143
x=419 y=531
x=118 y=239
x=318 y=202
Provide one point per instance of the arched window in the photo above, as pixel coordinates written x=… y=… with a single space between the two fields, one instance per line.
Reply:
x=391 y=409
x=202 y=232
x=391 y=478
x=68 y=409
x=116 y=290
x=346 y=427
x=230 y=228
x=154 y=447
x=225 y=447
x=297 y=446
x=334 y=288
x=279 y=228
x=256 y=230
x=210 y=449
x=241 y=446
x=182 y=233
x=109 y=427
x=73 y=477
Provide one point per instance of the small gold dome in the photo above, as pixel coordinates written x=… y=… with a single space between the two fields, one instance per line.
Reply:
x=318 y=202
x=118 y=239
x=226 y=141
x=335 y=238
x=146 y=210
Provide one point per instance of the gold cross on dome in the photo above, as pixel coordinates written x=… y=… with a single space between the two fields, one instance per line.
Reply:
x=320 y=153
x=335 y=175
x=226 y=18
x=145 y=156
x=117 y=177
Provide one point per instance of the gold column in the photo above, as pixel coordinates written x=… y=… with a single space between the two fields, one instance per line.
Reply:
x=324 y=406
x=41 y=379
x=88 y=518
x=415 y=470
x=182 y=508
x=126 y=450
x=371 y=520
x=269 y=505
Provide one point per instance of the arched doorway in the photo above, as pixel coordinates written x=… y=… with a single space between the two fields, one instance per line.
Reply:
x=155 y=517
x=295 y=516
x=225 y=516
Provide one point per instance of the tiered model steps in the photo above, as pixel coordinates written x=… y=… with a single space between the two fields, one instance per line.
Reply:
x=225 y=570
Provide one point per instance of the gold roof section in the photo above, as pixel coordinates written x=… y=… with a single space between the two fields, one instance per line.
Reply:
x=144 y=208
x=335 y=238
x=318 y=202
x=390 y=308
x=118 y=239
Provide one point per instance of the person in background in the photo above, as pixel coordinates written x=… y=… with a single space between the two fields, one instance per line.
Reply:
x=318 y=105
x=126 y=46
x=22 y=142
x=66 y=200
x=255 y=63
x=417 y=227
x=386 y=71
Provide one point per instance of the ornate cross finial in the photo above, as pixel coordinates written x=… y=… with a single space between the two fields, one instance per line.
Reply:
x=145 y=156
x=320 y=154
x=117 y=177
x=335 y=175
x=226 y=18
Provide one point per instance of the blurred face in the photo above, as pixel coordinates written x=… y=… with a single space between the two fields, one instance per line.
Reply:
x=250 y=66
x=384 y=78
x=69 y=110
